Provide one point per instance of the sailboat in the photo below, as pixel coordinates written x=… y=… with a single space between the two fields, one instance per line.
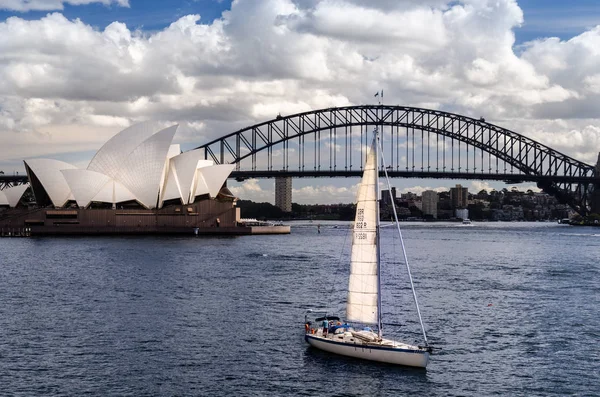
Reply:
x=361 y=335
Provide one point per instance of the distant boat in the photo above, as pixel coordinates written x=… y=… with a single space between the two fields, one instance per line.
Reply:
x=466 y=221
x=364 y=338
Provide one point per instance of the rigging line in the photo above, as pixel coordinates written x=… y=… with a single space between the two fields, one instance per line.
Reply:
x=412 y=286
x=331 y=290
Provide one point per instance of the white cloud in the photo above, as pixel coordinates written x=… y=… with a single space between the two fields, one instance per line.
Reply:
x=65 y=85
x=251 y=189
x=327 y=194
x=49 y=5
x=262 y=191
x=420 y=189
x=477 y=186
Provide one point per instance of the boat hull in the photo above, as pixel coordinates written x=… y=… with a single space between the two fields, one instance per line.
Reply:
x=390 y=355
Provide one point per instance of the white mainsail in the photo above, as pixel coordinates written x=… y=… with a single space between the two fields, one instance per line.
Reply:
x=363 y=288
x=364 y=298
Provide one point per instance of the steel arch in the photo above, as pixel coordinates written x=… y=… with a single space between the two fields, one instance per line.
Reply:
x=571 y=180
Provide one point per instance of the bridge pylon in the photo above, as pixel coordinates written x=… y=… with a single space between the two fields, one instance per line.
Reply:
x=283 y=193
x=595 y=195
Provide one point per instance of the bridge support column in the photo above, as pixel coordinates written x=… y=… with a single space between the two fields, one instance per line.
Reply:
x=283 y=193
x=595 y=196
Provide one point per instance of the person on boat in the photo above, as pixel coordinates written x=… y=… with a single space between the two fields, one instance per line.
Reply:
x=325 y=327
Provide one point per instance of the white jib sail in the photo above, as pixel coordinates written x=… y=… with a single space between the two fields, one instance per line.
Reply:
x=362 y=287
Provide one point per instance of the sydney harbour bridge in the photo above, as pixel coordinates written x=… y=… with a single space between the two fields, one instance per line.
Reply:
x=416 y=142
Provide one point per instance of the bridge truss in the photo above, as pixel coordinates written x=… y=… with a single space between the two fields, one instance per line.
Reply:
x=417 y=143
x=7 y=181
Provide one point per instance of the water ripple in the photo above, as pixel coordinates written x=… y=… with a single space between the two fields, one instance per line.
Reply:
x=513 y=307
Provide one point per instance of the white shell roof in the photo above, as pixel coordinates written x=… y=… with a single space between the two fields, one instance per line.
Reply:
x=174 y=150
x=185 y=166
x=171 y=190
x=113 y=192
x=200 y=187
x=204 y=163
x=143 y=168
x=48 y=172
x=14 y=194
x=139 y=163
x=112 y=156
x=85 y=184
x=214 y=177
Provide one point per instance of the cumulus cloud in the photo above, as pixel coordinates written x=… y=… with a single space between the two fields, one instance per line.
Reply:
x=327 y=194
x=49 y=5
x=262 y=191
x=477 y=186
x=264 y=58
x=251 y=189
x=420 y=189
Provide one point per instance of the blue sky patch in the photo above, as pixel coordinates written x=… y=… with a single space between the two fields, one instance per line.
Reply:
x=543 y=18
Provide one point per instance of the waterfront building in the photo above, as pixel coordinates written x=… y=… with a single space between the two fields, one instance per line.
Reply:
x=138 y=165
x=430 y=203
x=418 y=204
x=459 y=196
x=283 y=193
x=385 y=196
x=137 y=183
x=462 y=213
x=408 y=196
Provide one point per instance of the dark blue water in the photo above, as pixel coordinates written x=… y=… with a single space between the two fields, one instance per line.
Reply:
x=514 y=307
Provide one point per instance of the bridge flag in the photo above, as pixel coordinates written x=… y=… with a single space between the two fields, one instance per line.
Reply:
x=376 y=94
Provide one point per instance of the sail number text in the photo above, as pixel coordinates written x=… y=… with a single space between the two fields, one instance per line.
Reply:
x=360 y=219
x=360 y=224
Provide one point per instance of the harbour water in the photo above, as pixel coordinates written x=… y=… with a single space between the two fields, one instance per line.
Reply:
x=514 y=308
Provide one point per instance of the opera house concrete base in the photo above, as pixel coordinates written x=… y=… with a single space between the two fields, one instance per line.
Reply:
x=208 y=217
x=138 y=182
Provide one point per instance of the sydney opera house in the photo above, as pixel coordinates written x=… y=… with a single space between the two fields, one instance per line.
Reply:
x=138 y=182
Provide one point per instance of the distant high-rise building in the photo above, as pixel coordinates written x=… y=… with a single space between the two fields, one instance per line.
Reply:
x=385 y=196
x=283 y=193
x=408 y=196
x=430 y=203
x=459 y=196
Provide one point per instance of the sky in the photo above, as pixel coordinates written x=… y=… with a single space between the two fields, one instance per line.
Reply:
x=74 y=73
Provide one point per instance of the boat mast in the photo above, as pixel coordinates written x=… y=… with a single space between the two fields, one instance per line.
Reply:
x=377 y=234
x=412 y=286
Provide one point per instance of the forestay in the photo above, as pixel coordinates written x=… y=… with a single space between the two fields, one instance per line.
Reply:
x=363 y=286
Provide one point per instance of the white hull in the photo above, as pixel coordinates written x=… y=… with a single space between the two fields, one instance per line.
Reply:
x=390 y=355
